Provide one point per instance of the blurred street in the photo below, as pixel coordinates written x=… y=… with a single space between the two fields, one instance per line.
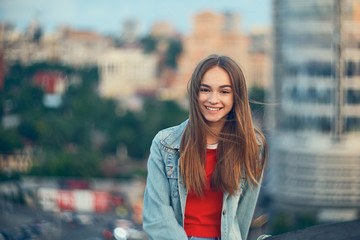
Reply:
x=71 y=214
x=21 y=222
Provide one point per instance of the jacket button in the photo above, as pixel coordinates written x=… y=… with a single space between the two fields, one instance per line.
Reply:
x=224 y=212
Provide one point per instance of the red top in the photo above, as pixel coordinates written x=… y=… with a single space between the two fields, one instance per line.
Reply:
x=203 y=214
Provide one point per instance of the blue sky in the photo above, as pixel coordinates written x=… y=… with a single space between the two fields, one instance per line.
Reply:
x=106 y=16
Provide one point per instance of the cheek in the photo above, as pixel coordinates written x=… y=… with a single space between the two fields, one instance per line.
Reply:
x=230 y=106
x=230 y=102
x=202 y=98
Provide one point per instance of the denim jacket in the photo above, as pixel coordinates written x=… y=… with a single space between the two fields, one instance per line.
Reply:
x=165 y=195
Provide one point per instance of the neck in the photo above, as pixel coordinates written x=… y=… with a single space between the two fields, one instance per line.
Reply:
x=215 y=128
x=211 y=139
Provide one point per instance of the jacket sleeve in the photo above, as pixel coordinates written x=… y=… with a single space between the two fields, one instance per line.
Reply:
x=159 y=220
x=246 y=209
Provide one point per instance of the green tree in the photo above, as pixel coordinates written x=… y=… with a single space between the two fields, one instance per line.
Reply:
x=10 y=140
x=74 y=139
x=174 y=50
x=257 y=101
x=158 y=115
x=149 y=44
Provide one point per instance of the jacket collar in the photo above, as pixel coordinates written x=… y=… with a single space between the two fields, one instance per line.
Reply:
x=173 y=136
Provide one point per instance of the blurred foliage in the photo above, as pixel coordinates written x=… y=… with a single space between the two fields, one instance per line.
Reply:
x=4 y=176
x=257 y=101
x=306 y=219
x=9 y=140
x=171 y=52
x=76 y=138
x=284 y=222
x=280 y=224
x=149 y=44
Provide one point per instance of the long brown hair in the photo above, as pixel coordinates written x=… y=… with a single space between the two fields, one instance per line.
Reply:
x=239 y=143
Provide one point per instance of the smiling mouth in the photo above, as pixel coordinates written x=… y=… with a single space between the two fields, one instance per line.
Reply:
x=212 y=108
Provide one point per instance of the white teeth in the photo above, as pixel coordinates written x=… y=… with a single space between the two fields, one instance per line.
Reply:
x=213 y=109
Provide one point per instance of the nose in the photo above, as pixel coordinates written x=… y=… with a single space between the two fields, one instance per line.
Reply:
x=213 y=98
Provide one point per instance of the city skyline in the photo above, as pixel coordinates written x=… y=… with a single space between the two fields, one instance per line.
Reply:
x=108 y=16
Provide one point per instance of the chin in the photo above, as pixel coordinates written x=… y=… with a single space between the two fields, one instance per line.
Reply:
x=213 y=121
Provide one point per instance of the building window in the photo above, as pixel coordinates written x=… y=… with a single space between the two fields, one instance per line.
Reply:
x=319 y=69
x=352 y=124
x=299 y=123
x=353 y=96
x=313 y=68
x=310 y=95
x=350 y=69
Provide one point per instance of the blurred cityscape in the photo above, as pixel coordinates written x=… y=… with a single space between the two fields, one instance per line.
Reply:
x=79 y=109
x=315 y=155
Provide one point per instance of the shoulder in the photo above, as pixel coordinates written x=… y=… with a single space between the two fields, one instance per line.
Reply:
x=171 y=137
x=261 y=141
x=263 y=151
x=260 y=138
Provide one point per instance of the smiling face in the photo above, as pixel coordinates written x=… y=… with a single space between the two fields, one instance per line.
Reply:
x=215 y=97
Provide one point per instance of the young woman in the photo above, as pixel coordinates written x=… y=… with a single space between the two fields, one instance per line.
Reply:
x=204 y=175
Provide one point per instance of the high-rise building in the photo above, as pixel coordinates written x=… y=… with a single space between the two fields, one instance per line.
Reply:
x=2 y=70
x=315 y=142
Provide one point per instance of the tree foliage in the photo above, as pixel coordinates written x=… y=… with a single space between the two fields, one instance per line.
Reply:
x=257 y=101
x=76 y=138
x=173 y=50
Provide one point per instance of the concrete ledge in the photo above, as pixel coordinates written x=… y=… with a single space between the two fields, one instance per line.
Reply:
x=333 y=231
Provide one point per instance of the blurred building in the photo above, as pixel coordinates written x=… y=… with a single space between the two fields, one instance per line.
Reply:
x=166 y=43
x=68 y=46
x=220 y=34
x=18 y=46
x=2 y=70
x=20 y=161
x=260 y=69
x=130 y=31
x=54 y=84
x=163 y=29
x=80 y=48
x=125 y=72
x=7 y=33
x=314 y=147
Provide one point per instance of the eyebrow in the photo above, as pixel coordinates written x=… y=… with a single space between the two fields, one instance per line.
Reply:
x=222 y=86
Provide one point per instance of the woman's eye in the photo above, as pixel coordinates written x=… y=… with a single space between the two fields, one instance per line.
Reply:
x=225 y=92
x=204 y=90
